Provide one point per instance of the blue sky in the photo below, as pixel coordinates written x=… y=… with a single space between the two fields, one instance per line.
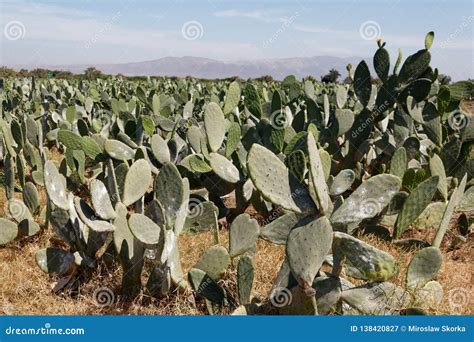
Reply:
x=106 y=31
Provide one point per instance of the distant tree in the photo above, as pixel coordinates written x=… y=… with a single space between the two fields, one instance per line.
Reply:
x=39 y=73
x=265 y=78
x=331 y=76
x=7 y=72
x=92 y=73
x=444 y=79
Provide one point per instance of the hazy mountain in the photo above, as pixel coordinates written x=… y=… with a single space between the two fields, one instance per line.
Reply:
x=210 y=68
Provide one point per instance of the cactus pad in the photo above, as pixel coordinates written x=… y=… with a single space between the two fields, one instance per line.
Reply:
x=55 y=185
x=214 y=261
x=414 y=205
x=144 y=229
x=276 y=184
x=308 y=244
x=423 y=267
x=364 y=261
x=245 y=276
x=137 y=181
x=101 y=200
x=369 y=199
x=243 y=233
x=224 y=168
x=215 y=125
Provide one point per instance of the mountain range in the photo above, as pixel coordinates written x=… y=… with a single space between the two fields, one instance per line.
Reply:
x=208 y=68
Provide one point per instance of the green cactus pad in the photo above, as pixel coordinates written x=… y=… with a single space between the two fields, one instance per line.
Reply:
x=9 y=179
x=245 y=275
x=344 y=121
x=299 y=303
x=431 y=217
x=377 y=298
x=364 y=261
x=252 y=100
x=88 y=216
x=137 y=181
x=31 y=197
x=430 y=295
x=243 y=235
x=172 y=258
x=341 y=96
x=382 y=63
x=101 y=200
x=369 y=199
x=215 y=125
x=277 y=231
x=55 y=185
x=28 y=227
x=144 y=229
x=214 y=261
x=224 y=168
x=467 y=201
x=363 y=83
x=342 y=182
x=317 y=174
x=437 y=169
x=205 y=286
x=296 y=162
x=71 y=140
x=414 y=205
x=201 y=216
x=414 y=66
x=198 y=164
x=124 y=240
x=328 y=294
x=194 y=136
x=232 y=97
x=118 y=150
x=90 y=147
x=274 y=181
x=398 y=164
x=233 y=139
x=308 y=244
x=169 y=191
x=455 y=199
x=160 y=149
x=54 y=260
x=8 y=231
x=423 y=267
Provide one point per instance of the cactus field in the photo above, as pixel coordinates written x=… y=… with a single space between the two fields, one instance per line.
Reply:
x=243 y=197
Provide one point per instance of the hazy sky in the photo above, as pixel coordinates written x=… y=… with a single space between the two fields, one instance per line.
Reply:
x=115 y=31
